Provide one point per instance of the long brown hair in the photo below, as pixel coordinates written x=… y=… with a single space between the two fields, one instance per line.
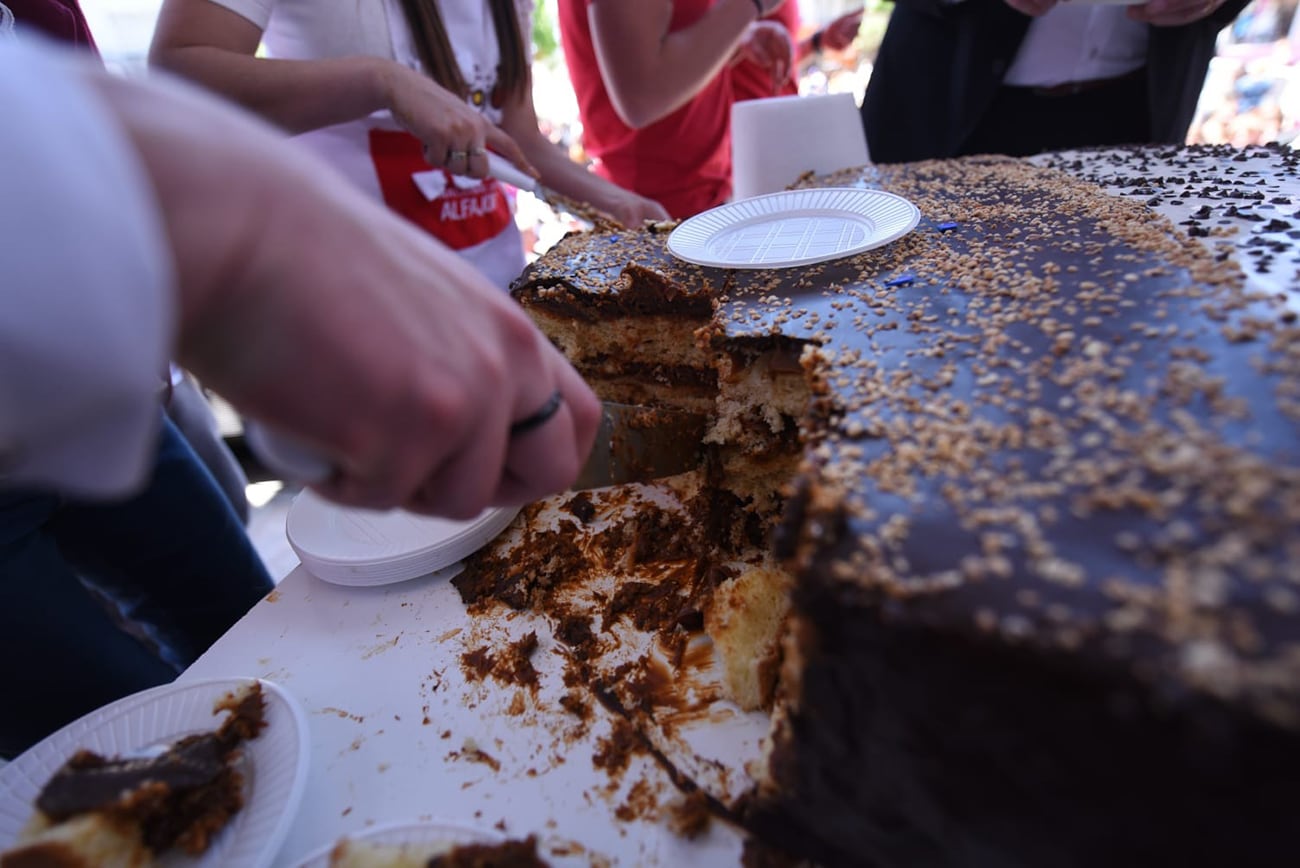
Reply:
x=430 y=36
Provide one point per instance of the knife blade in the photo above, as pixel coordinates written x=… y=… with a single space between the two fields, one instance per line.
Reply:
x=637 y=444
x=633 y=443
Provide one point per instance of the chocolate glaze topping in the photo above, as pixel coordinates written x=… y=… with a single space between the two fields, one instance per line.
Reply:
x=89 y=781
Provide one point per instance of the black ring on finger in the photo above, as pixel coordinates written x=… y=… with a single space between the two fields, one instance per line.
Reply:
x=541 y=417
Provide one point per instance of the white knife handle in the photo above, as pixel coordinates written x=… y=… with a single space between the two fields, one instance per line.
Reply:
x=503 y=170
x=287 y=458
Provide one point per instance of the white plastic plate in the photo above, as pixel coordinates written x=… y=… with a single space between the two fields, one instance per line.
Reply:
x=274 y=764
x=793 y=227
x=434 y=836
x=365 y=548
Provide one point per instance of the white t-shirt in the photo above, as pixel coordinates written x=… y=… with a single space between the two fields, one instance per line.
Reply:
x=319 y=29
x=87 y=307
x=1078 y=42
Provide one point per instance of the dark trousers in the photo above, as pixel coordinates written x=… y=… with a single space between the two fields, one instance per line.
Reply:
x=188 y=408
x=173 y=565
x=1023 y=121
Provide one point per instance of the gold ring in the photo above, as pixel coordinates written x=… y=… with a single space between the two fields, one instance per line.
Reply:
x=452 y=156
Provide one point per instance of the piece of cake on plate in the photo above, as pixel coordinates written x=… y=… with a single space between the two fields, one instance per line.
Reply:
x=126 y=812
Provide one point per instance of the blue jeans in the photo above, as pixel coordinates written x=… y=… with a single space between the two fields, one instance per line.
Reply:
x=173 y=561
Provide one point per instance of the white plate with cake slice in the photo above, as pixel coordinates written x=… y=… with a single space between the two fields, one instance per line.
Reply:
x=793 y=227
x=271 y=768
x=399 y=844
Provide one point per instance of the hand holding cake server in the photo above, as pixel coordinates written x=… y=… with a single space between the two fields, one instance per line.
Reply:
x=303 y=302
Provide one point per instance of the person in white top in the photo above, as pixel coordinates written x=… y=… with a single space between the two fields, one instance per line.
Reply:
x=382 y=89
x=1019 y=77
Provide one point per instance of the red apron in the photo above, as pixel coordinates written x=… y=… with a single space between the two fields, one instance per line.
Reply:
x=465 y=212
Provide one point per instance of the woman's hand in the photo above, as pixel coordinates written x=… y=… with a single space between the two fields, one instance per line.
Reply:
x=455 y=136
x=840 y=33
x=632 y=210
x=767 y=44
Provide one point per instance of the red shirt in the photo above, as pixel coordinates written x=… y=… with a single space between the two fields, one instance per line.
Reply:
x=61 y=19
x=683 y=161
x=751 y=81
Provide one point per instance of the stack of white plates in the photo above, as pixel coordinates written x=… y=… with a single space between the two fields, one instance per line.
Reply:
x=362 y=547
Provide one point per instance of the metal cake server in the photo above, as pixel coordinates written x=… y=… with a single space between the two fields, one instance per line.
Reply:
x=637 y=444
x=633 y=444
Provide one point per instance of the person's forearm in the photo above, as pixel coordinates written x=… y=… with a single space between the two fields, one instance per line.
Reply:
x=649 y=75
x=568 y=178
x=296 y=95
x=554 y=168
x=578 y=183
x=217 y=47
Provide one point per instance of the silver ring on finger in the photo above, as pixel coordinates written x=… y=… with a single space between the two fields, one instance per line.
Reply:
x=454 y=155
x=541 y=417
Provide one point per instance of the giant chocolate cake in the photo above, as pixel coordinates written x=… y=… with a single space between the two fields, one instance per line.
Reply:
x=1025 y=587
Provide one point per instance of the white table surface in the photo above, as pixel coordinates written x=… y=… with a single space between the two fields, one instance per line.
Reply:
x=394 y=723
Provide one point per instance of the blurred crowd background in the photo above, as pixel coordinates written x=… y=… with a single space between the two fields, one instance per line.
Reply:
x=1251 y=94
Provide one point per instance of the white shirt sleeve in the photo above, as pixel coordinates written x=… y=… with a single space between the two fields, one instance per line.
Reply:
x=87 y=307
x=256 y=11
